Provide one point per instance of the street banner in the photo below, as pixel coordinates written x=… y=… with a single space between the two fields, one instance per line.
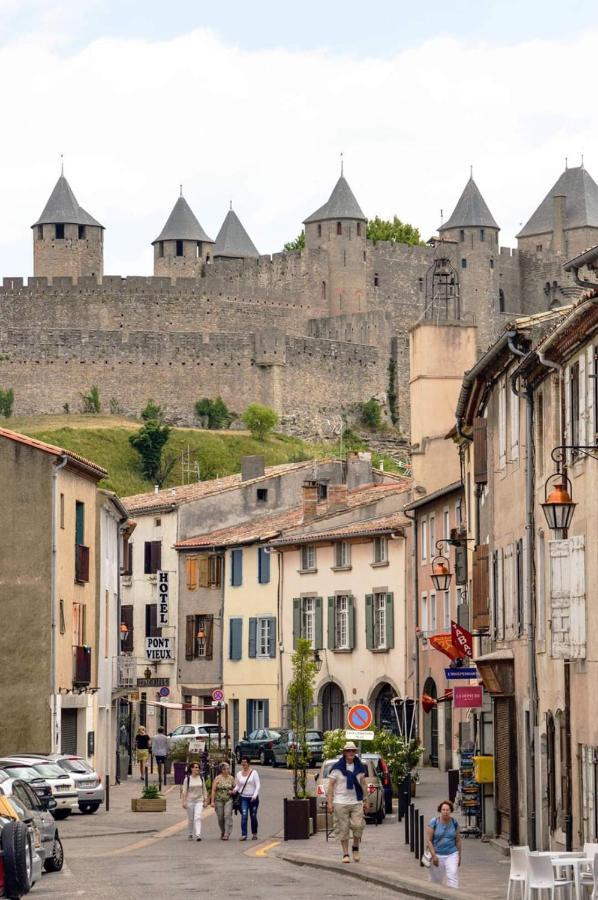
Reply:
x=444 y=643
x=468 y=697
x=352 y=735
x=163 y=598
x=462 y=639
x=461 y=674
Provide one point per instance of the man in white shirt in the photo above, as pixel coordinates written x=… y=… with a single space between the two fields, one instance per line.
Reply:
x=346 y=799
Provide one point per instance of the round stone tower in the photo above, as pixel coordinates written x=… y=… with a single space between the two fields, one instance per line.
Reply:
x=67 y=241
x=339 y=229
x=182 y=247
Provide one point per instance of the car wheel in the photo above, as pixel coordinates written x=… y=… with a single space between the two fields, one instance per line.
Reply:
x=61 y=813
x=262 y=758
x=274 y=762
x=88 y=808
x=379 y=817
x=18 y=859
x=55 y=862
x=388 y=805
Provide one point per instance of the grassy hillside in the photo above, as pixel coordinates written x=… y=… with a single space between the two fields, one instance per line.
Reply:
x=105 y=440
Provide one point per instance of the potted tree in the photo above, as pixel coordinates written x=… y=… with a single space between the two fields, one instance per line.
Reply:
x=150 y=801
x=298 y=810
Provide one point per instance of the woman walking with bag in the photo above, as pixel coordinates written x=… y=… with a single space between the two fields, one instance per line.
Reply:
x=222 y=800
x=247 y=789
x=194 y=796
x=443 y=840
x=142 y=748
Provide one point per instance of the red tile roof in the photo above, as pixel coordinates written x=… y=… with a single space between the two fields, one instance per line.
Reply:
x=382 y=525
x=75 y=458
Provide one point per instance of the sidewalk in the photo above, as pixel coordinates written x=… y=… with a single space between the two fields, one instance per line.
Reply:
x=386 y=859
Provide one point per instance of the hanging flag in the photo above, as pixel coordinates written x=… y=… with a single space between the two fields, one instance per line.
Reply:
x=462 y=639
x=444 y=643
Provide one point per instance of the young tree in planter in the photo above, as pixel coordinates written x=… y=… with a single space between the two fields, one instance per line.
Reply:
x=301 y=708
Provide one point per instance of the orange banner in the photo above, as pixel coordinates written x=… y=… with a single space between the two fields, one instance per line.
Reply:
x=444 y=643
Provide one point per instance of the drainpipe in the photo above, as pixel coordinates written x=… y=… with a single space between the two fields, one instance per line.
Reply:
x=53 y=603
x=415 y=584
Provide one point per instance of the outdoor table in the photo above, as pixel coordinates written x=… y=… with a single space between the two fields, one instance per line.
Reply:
x=565 y=860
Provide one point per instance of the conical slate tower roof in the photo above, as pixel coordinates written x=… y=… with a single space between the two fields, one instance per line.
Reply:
x=581 y=205
x=62 y=208
x=471 y=210
x=182 y=225
x=341 y=205
x=232 y=240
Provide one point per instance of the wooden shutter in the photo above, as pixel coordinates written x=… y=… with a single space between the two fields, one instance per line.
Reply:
x=151 y=620
x=514 y=400
x=582 y=399
x=204 y=571
x=369 y=621
x=502 y=424
x=481 y=584
x=209 y=620
x=331 y=623
x=189 y=637
x=500 y=615
x=249 y=716
x=252 y=638
x=235 y=638
x=126 y=617
x=236 y=567
x=192 y=572
x=567 y=598
x=266 y=713
x=590 y=394
x=390 y=622
x=147 y=558
x=272 y=637
x=351 y=613
x=263 y=559
x=156 y=552
x=318 y=630
x=567 y=388
x=577 y=598
x=296 y=621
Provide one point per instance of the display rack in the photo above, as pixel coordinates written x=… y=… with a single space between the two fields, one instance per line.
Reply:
x=469 y=794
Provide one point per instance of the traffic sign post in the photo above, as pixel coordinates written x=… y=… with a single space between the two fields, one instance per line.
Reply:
x=218 y=695
x=360 y=717
x=351 y=735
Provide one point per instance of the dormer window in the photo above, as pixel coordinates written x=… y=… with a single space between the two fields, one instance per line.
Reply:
x=81 y=232
x=59 y=232
x=339 y=227
x=179 y=248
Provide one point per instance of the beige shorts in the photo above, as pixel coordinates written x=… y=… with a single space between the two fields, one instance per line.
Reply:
x=348 y=818
x=142 y=755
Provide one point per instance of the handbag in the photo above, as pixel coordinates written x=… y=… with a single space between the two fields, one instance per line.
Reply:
x=426 y=859
x=237 y=797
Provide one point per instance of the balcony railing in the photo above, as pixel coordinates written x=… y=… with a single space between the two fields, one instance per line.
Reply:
x=81 y=666
x=81 y=563
x=124 y=671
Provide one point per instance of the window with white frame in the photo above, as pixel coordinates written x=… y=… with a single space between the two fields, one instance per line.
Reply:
x=433 y=622
x=424 y=613
x=341 y=622
x=308 y=618
x=380 y=621
x=447 y=611
x=264 y=636
x=308 y=558
x=424 y=538
x=432 y=537
x=380 y=549
x=342 y=555
x=446 y=524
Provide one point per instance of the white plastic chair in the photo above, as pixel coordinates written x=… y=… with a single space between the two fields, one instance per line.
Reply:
x=541 y=877
x=518 y=874
x=589 y=879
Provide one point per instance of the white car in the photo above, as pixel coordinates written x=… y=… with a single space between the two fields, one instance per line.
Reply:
x=211 y=734
x=62 y=785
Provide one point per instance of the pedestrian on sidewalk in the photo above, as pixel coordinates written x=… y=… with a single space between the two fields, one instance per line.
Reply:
x=222 y=801
x=443 y=839
x=346 y=799
x=160 y=746
x=194 y=796
x=142 y=749
x=247 y=787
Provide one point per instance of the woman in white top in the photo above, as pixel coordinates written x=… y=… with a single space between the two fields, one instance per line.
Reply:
x=247 y=786
x=195 y=797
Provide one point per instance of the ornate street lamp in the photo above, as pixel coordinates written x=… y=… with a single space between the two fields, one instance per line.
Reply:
x=558 y=506
x=441 y=573
x=317 y=661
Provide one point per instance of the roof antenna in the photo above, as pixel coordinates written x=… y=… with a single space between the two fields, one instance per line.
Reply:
x=441 y=218
x=582 y=160
x=566 y=163
x=231 y=205
x=62 y=163
x=180 y=190
x=342 y=165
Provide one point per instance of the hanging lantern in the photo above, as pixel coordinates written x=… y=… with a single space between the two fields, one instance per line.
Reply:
x=558 y=506
x=441 y=573
x=201 y=635
x=123 y=631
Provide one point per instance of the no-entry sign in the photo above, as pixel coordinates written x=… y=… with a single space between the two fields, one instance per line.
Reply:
x=360 y=717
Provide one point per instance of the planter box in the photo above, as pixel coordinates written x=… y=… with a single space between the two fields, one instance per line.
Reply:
x=297 y=820
x=138 y=804
x=179 y=771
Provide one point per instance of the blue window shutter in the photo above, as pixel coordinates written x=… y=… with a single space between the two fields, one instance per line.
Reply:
x=236 y=567
x=272 y=641
x=236 y=632
x=249 y=717
x=263 y=566
x=252 y=638
x=266 y=713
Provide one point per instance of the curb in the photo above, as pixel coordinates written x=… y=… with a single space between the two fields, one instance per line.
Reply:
x=409 y=887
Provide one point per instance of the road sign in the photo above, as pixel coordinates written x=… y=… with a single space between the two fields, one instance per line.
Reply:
x=351 y=735
x=465 y=673
x=359 y=717
x=164 y=691
x=218 y=695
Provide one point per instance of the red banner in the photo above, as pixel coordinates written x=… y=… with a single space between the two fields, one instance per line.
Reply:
x=462 y=639
x=444 y=643
x=468 y=697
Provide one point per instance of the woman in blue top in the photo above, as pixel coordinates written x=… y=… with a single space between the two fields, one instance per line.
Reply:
x=444 y=842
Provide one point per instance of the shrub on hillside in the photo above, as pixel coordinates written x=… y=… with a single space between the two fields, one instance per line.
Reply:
x=370 y=414
x=91 y=401
x=215 y=411
x=260 y=420
x=152 y=412
x=7 y=399
x=149 y=442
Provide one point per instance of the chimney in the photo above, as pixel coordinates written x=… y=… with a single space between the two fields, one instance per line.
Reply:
x=252 y=467
x=337 y=497
x=558 y=215
x=310 y=500
x=359 y=469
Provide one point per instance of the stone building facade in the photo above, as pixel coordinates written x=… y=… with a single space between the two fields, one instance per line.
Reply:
x=310 y=332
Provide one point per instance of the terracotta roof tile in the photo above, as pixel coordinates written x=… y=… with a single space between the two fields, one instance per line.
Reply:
x=380 y=525
x=53 y=450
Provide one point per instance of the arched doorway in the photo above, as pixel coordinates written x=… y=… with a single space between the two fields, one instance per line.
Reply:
x=431 y=726
x=382 y=708
x=332 y=705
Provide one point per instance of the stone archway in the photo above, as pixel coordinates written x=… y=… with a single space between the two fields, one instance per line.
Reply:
x=332 y=707
x=382 y=708
x=431 y=726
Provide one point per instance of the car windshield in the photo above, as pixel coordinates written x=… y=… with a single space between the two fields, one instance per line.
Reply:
x=313 y=736
x=49 y=770
x=273 y=735
x=79 y=766
x=27 y=773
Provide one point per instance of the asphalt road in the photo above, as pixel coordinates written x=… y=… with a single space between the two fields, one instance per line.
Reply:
x=106 y=857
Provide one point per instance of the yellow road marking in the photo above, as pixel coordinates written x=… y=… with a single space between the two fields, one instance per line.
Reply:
x=263 y=850
x=159 y=836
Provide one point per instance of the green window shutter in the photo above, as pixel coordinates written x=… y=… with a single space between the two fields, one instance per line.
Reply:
x=318 y=637
x=252 y=638
x=331 y=623
x=351 y=612
x=390 y=621
x=235 y=636
x=296 y=621
x=272 y=641
x=369 y=621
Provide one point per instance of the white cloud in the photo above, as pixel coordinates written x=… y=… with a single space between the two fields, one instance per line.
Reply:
x=135 y=118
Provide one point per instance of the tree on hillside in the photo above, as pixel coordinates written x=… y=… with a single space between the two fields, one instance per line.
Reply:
x=396 y=232
x=297 y=244
x=260 y=420
x=7 y=398
x=149 y=442
x=215 y=411
x=152 y=412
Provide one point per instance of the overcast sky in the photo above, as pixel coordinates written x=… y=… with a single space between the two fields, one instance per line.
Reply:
x=254 y=102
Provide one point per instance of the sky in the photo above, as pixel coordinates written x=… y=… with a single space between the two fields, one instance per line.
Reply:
x=254 y=103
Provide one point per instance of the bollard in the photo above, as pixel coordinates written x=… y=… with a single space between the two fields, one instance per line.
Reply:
x=407 y=825
x=411 y=812
x=416 y=836
x=107 y=791
x=145 y=776
x=421 y=839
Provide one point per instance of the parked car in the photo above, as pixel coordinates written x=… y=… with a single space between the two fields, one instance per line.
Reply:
x=258 y=745
x=89 y=785
x=62 y=785
x=281 y=749
x=374 y=791
x=203 y=732
x=26 y=801
x=384 y=776
x=20 y=865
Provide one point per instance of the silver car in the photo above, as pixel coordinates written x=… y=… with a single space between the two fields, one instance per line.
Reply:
x=87 y=781
x=63 y=786
x=31 y=808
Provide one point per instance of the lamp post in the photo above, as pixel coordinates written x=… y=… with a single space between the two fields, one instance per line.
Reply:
x=558 y=505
